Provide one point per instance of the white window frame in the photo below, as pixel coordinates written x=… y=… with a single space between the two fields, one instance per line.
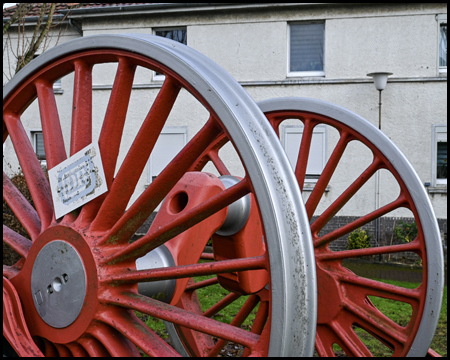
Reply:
x=160 y=77
x=57 y=88
x=167 y=130
x=303 y=73
x=441 y=18
x=436 y=136
x=298 y=129
x=32 y=135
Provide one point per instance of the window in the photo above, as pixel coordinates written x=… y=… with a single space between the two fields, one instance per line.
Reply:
x=176 y=34
x=442 y=47
x=306 y=49
x=439 y=153
x=291 y=137
x=171 y=140
x=57 y=89
x=37 y=140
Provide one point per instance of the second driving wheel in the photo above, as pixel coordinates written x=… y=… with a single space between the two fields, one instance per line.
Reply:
x=347 y=317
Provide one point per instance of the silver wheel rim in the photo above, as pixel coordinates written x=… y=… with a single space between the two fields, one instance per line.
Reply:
x=435 y=260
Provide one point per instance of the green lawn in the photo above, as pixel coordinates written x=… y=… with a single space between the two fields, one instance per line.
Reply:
x=400 y=313
x=208 y=296
x=397 y=311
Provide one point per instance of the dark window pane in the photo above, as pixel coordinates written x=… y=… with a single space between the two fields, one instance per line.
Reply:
x=442 y=160
x=443 y=46
x=177 y=35
x=39 y=143
x=307 y=47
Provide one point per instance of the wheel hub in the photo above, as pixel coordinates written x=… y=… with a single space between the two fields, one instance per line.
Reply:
x=58 y=284
x=158 y=258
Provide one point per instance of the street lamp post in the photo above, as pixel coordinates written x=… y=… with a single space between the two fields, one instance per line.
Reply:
x=380 y=81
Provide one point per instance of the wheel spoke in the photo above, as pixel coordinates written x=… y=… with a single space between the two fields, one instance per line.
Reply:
x=130 y=326
x=207 y=256
x=218 y=163
x=185 y=271
x=23 y=210
x=93 y=347
x=178 y=316
x=62 y=350
x=157 y=237
x=328 y=214
x=81 y=134
x=260 y=318
x=18 y=243
x=303 y=155
x=376 y=288
x=324 y=341
x=50 y=349
x=143 y=207
x=346 y=229
x=275 y=121
x=10 y=271
x=237 y=321
x=130 y=171
x=327 y=173
x=32 y=170
x=55 y=151
x=227 y=300
x=347 y=254
x=112 y=129
x=380 y=325
x=77 y=350
x=352 y=343
x=211 y=153
x=113 y=341
x=202 y=284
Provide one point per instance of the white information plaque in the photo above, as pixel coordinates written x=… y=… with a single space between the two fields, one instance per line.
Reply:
x=77 y=180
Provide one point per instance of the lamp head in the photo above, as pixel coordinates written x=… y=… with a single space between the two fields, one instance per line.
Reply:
x=380 y=79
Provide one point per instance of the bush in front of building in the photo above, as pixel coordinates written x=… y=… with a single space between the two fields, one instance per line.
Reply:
x=358 y=239
x=406 y=232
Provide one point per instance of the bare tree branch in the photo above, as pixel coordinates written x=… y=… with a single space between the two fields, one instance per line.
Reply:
x=35 y=43
x=21 y=11
x=28 y=45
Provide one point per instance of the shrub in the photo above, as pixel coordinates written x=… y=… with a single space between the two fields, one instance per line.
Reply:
x=406 y=232
x=358 y=239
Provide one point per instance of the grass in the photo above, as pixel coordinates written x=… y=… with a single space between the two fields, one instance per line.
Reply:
x=208 y=296
x=397 y=311
x=211 y=295
x=400 y=313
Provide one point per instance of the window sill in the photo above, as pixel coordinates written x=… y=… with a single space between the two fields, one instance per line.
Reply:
x=306 y=74
x=310 y=187
x=437 y=190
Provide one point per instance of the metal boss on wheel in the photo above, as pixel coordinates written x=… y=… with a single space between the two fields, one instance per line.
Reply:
x=83 y=264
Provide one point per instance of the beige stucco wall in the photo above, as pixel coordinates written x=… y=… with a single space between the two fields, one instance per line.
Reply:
x=252 y=46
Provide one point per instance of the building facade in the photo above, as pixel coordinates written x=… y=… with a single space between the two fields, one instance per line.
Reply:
x=319 y=51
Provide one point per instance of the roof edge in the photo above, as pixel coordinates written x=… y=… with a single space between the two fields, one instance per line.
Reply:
x=172 y=7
